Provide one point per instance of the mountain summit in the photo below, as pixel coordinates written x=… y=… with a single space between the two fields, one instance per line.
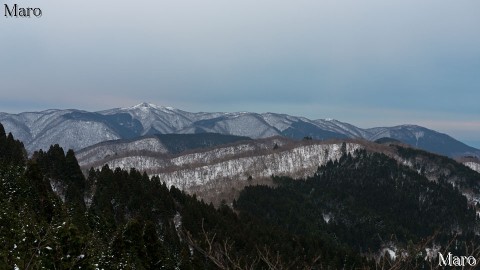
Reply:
x=77 y=129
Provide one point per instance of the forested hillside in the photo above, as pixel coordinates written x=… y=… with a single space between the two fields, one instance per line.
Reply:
x=54 y=218
x=352 y=210
x=367 y=202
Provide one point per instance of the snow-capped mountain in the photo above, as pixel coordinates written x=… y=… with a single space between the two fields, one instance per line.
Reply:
x=77 y=129
x=425 y=139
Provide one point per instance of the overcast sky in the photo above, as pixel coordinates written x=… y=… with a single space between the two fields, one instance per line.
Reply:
x=369 y=63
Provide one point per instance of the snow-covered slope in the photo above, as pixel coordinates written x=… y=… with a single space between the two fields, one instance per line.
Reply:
x=300 y=161
x=423 y=138
x=229 y=166
x=132 y=153
x=473 y=165
x=108 y=149
x=156 y=119
x=343 y=128
x=40 y=130
x=77 y=129
x=230 y=162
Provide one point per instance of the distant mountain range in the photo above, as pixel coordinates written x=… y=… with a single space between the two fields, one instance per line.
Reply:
x=77 y=129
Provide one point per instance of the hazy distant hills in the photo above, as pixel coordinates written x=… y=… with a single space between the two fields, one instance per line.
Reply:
x=78 y=129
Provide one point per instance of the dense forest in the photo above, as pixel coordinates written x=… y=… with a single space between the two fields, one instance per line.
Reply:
x=54 y=217
x=364 y=202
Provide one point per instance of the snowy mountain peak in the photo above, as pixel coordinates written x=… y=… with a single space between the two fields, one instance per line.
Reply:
x=410 y=126
x=78 y=129
x=143 y=105
x=147 y=106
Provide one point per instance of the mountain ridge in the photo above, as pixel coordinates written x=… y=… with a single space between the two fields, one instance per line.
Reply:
x=77 y=129
x=227 y=168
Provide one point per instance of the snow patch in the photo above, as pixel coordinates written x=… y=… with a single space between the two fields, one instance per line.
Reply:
x=389 y=250
x=177 y=221
x=473 y=165
x=58 y=189
x=419 y=134
x=432 y=252
x=327 y=218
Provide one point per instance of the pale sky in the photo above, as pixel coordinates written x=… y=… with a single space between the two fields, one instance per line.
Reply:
x=369 y=63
